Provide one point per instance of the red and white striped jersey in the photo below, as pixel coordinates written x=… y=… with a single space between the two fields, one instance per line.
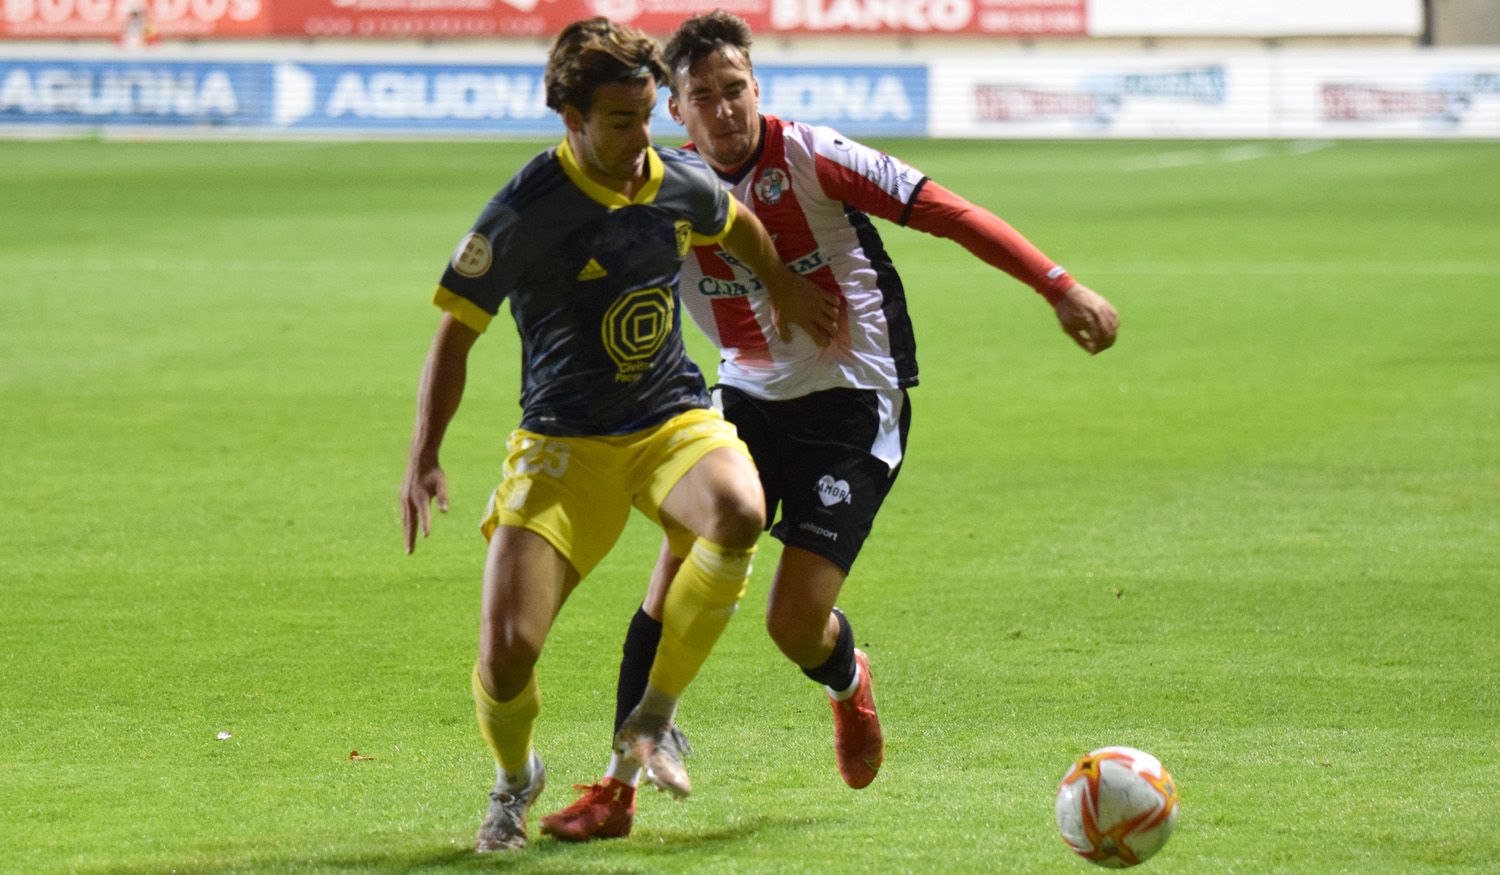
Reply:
x=814 y=190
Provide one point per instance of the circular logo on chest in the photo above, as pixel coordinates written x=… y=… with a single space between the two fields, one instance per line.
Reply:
x=771 y=185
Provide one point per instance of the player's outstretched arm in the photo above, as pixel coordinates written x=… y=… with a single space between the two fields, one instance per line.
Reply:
x=795 y=299
x=439 y=392
x=1087 y=318
x=1084 y=314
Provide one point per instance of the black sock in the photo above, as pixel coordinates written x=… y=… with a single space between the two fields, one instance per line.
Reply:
x=635 y=663
x=837 y=672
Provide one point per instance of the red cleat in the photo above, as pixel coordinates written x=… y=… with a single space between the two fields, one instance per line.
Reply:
x=856 y=730
x=604 y=811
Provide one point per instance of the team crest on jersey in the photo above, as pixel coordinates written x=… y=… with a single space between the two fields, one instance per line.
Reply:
x=684 y=230
x=472 y=257
x=771 y=185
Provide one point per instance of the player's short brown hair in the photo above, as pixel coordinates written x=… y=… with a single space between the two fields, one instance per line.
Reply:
x=701 y=36
x=595 y=52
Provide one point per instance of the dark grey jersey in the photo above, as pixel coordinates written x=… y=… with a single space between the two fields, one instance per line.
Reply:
x=592 y=277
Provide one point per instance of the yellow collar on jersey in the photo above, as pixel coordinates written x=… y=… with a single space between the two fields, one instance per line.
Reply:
x=607 y=196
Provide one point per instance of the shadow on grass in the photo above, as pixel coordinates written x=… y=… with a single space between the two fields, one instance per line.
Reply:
x=638 y=855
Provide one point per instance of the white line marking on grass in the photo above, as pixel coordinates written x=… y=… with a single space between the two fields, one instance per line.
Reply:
x=1224 y=155
x=1164 y=160
x=1304 y=147
x=1249 y=152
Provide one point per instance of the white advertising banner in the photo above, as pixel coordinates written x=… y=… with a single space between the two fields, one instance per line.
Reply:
x=1255 y=18
x=1094 y=95
x=1432 y=94
x=1263 y=94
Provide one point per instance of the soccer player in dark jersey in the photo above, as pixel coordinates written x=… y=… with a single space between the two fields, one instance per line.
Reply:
x=586 y=243
x=827 y=428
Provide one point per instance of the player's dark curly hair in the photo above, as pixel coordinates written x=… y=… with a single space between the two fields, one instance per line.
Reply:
x=595 y=52
x=703 y=35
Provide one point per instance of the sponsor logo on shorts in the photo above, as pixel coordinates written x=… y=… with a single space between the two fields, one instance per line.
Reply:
x=819 y=531
x=831 y=491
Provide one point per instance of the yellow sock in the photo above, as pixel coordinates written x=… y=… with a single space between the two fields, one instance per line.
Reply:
x=699 y=603
x=506 y=726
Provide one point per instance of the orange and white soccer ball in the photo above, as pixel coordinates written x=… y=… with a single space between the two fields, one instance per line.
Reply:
x=1116 y=806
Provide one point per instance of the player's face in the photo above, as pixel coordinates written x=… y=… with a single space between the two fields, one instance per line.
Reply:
x=611 y=139
x=718 y=101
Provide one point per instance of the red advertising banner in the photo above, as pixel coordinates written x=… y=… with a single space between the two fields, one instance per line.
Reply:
x=425 y=19
x=429 y=19
x=491 y=19
x=107 y=19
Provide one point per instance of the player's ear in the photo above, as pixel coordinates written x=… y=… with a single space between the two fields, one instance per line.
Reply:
x=673 y=108
x=573 y=118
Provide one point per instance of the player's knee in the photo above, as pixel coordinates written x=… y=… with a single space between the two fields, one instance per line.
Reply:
x=506 y=665
x=739 y=517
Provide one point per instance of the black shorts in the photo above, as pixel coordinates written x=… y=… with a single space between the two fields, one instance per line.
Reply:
x=816 y=461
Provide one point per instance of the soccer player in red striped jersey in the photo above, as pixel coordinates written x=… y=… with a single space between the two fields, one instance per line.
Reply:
x=827 y=427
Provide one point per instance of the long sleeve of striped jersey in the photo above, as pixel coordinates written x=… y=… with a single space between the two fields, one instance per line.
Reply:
x=936 y=210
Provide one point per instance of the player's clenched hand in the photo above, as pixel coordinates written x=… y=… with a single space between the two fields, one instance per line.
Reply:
x=1087 y=318
x=803 y=302
x=422 y=484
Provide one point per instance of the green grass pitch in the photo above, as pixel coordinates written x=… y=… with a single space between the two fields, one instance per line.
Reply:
x=1260 y=538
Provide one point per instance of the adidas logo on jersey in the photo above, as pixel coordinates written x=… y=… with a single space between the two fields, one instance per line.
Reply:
x=592 y=271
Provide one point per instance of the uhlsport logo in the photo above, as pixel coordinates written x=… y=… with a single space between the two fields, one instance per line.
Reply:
x=771 y=185
x=831 y=491
x=818 y=530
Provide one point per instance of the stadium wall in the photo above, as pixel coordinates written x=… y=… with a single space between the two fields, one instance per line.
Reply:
x=1465 y=22
x=287 y=91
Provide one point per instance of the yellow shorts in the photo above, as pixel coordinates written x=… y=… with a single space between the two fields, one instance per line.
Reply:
x=577 y=491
